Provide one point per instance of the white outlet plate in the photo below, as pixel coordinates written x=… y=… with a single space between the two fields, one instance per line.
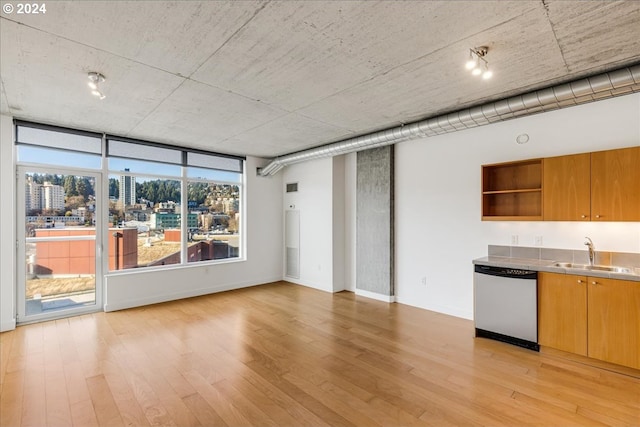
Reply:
x=514 y=239
x=538 y=241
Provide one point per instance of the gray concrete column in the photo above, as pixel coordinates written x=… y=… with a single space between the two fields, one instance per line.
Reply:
x=374 y=221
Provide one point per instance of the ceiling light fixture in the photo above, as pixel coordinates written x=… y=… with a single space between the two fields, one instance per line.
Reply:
x=94 y=84
x=477 y=62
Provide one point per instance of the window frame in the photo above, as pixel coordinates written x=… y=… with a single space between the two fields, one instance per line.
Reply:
x=184 y=179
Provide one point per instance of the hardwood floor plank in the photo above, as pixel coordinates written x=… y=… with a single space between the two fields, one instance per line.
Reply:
x=385 y=413
x=203 y=411
x=220 y=403
x=273 y=396
x=106 y=410
x=83 y=414
x=349 y=413
x=11 y=399
x=318 y=408
x=245 y=404
x=288 y=355
x=34 y=398
x=6 y=344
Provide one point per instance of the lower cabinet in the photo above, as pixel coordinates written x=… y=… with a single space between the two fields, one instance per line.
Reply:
x=591 y=316
x=562 y=312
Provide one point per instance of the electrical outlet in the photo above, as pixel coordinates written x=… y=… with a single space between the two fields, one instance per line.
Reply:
x=514 y=239
x=424 y=280
x=538 y=240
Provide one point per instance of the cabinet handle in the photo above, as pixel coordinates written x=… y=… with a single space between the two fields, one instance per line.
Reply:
x=580 y=282
x=594 y=283
x=597 y=216
x=583 y=216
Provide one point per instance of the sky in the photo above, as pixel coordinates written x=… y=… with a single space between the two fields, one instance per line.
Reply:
x=62 y=158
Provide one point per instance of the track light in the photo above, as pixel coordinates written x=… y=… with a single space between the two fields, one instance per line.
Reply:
x=471 y=63
x=477 y=63
x=94 y=84
x=487 y=74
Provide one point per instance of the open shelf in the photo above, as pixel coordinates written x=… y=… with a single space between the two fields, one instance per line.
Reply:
x=512 y=191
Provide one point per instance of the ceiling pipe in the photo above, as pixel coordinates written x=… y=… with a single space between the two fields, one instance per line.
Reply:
x=595 y=88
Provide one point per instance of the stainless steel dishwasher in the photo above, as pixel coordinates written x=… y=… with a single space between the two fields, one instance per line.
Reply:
x=506 y=305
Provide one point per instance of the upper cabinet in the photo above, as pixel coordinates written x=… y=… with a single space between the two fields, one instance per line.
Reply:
x=567 y=188
x=512 y=191
x=615 y=185
x=600 y=186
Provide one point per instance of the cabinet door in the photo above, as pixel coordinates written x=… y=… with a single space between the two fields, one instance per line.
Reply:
x=614 y=321
x=615 y=185
x=562 y=312
x=567 y=188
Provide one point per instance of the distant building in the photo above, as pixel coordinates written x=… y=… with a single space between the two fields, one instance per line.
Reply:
x=166 y=220
x=168 y=207
x=43 y=196
x=32 y=195
x=53 y=196
x=127 y=190
x=122 y=252
x=230 y=204
x=51 y=221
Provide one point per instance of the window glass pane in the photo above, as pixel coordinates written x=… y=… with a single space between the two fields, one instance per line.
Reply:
x=214 y=162
x=144 y=221
x=59 y=139
x=146 y=152
x=214 y=175
x=147 y=168
x=60 y=241
x=48 y=156
x=216 y=208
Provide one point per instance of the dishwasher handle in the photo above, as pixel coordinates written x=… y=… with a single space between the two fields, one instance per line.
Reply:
x=513 y=273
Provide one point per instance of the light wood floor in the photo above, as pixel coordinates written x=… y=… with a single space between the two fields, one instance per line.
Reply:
x=286 y=355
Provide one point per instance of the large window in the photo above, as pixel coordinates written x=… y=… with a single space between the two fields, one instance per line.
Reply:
x=162 y=205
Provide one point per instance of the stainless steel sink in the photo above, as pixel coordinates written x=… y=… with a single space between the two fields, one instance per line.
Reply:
x=611 y=268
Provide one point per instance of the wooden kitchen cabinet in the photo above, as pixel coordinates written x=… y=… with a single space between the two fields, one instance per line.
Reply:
x=567 y=188
x=590 y=316
x=614 y=321
x=512 y=191
x=599 y=186
x=562 y=312
x=615 y=185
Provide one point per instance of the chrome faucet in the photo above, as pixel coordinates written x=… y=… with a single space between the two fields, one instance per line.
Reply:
x=592 y=250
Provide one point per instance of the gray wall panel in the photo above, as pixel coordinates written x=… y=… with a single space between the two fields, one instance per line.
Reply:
x=374 y=221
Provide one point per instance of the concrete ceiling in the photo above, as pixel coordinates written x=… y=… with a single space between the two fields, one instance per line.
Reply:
x=268 y=78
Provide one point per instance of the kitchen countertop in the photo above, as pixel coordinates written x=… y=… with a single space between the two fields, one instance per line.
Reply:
x=547 y=266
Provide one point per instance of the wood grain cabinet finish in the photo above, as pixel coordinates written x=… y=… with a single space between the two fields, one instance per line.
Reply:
x=614 y=321
x=512 y=191
x=615 y=185
x=590 y=316
x=562 y=312
x=567 y=188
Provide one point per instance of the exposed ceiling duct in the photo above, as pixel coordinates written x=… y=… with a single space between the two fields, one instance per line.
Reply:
x=601 y=86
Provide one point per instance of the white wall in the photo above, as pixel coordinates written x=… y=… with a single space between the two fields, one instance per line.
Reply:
x=321 y=213
x=264 y=242
x=438 y=185
x=7 y=226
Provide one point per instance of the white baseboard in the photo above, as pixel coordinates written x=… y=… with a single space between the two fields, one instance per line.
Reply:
x=376 y=296
x=156 y=299
x=450 y=311
x=307 y=283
